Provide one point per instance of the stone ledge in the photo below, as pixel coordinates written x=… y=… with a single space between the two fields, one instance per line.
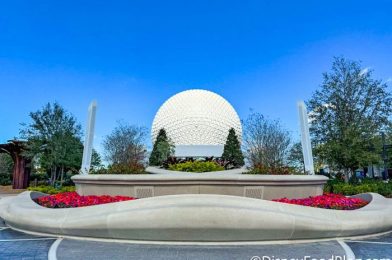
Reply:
x=231 y=182
x=233 y=176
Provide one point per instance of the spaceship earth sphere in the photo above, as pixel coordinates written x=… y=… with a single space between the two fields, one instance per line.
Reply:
x=196 y=117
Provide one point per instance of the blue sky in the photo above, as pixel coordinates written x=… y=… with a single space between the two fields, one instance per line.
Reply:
x=132 y=55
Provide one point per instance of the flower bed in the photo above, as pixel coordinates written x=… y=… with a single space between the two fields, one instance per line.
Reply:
x=328 y=201
x=74 y=200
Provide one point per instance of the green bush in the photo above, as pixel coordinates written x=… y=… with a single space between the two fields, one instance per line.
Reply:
x=51 y=189
x=196 y=166
x=328 y=187
x=263 y=169
x=377 y=186
x=6 y=165
x=39 y=179
x=5 y=179
x=121 y=169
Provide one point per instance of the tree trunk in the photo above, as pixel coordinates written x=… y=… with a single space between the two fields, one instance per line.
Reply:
x=21 y=173
x=62 y=175
x=54 y=175
x=346 y=175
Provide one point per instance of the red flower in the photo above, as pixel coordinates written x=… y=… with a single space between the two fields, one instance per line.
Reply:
x=328 y=201
x=74 y=200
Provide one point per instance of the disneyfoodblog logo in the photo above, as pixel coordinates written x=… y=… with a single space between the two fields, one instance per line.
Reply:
x=333 y=257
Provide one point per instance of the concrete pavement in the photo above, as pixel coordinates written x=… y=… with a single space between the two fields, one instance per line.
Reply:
x=18 y=245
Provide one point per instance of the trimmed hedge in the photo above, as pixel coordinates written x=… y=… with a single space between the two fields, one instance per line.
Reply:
x=196 y=166
x=376 y=186
x=121 y=169
x=51 y=189
x=263 y=169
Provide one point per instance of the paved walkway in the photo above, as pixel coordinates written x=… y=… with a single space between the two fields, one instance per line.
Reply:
x=18 y=245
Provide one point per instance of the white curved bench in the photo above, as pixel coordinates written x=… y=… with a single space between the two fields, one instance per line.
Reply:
x=198 y=218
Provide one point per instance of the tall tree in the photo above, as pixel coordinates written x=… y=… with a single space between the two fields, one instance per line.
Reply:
x=54 y=136
x=348 y=112
x=126 y=145
x=6 y=165
x=96 y=160
x=163 y=149
x=232 y=150
x=266 y=142
x=296 y=158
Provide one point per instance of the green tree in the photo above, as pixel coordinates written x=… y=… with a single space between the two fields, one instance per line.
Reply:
x=232 y=150
x=163 y=149
x=126 y=145
x=347 y=113
x=54 y=137
x=296 y=158
x=6 y=166
x=266 y=142
x=96 y=160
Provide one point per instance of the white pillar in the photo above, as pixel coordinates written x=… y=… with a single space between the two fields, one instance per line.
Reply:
x=88 y=143
x=305 y=138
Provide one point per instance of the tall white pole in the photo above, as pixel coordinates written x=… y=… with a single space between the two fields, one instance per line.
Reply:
x=305 y=138
x=88 y=143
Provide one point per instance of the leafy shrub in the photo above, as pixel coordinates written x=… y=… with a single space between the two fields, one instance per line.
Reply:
x=121 y=169
x=39 y=179
x=51 y=189
x=174 y=160
x=328 y=187
x=6 y=165
x=196 y=166
x=5 y=179
x=364 y=186
x=39 y=176
x=263 y=169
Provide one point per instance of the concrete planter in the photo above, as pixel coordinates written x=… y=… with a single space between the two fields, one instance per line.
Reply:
x=198 y=218
x=232 y=182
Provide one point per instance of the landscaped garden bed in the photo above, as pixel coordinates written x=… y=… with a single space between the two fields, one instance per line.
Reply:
x=328 y=201
x=74 y=200
x=196 y=166
x=361 y=186
x=52 y=190
x=270 y=170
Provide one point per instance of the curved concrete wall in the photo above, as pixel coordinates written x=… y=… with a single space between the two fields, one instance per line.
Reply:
x=233 y=182
x=198 y=218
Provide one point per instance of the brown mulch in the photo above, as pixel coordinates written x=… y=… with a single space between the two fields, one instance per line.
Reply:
x=10 y=190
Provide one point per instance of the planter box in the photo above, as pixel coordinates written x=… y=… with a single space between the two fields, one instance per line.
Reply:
x=232 y=182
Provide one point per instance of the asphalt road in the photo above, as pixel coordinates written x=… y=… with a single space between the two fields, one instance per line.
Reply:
x=18 y=245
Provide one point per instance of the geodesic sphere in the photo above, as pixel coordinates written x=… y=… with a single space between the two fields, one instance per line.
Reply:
x=196 y=117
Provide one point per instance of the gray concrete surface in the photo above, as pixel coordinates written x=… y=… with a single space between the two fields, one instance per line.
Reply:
x=26 y=250
x=99 y=250
x=372 y=248
x=18 y=245
x=37 y=248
